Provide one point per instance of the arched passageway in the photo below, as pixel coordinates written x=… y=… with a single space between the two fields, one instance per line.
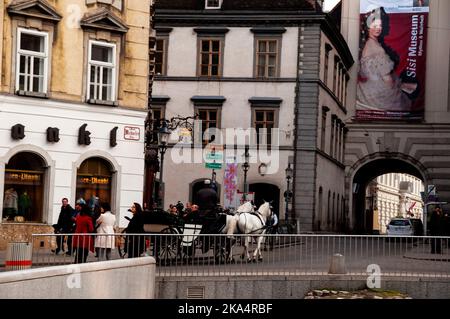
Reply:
x=362 y=210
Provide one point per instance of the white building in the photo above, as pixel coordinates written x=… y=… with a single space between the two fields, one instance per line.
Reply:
x=257 y=64
x=393 y=195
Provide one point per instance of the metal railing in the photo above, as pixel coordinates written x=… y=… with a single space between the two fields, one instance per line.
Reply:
x=208 y=255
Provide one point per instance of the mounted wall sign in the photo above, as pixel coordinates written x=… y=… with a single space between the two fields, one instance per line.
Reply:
x=132 y=133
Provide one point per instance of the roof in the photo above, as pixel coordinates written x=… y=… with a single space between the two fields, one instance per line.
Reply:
x=299 y=5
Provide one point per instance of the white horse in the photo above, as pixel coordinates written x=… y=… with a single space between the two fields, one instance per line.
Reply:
x=231 y=228
x=254 y=223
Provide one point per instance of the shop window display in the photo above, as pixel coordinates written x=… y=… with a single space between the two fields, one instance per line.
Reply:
x=24 y=188
x=94 y=182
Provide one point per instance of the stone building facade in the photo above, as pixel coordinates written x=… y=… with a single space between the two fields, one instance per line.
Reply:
x=300 y=92
x=419 y=148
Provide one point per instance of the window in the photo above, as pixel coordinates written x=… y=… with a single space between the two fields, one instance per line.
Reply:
x=326 y=63
x=209 y=118
x=94 y=181
x=335 y=74
x=161 y=56
x=267 y=58
x=32 y=61
x=213 y=4
x=210 y=57
x=264 y=122
x=332 y=138
x=101 y=71
x=158 y=113
x=324 y=129
x=24 y=191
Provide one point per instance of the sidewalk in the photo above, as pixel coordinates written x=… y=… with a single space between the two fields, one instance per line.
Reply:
x=423 y=252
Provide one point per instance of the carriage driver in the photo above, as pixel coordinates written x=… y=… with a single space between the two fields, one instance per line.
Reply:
x=207 y=199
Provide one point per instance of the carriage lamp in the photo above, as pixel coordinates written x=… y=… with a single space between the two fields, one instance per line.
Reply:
x=288 y=194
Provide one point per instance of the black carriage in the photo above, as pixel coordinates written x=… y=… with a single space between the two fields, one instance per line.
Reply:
x=187 y=235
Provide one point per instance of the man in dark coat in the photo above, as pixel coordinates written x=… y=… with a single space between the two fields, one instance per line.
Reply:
x=207 y=198
x=436 y=229
x=65 y=225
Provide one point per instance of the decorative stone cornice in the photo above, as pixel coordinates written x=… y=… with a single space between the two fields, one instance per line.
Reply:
x=103 y=19
x=40 y=9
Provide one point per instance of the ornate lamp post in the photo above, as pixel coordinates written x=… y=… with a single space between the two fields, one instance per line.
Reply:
x=157 y=135
x=246 y=167
x=163 y=140
x=287 y=194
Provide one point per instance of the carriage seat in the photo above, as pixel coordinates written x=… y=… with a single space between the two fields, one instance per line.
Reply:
x=190 y=233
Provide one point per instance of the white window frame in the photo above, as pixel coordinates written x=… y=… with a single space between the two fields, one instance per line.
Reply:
x=216 y=7
x=33 y=54
x=112 y=65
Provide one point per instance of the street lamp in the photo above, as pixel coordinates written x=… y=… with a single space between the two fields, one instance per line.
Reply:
x=287 y=196
x=245 y=167
x=163 y=140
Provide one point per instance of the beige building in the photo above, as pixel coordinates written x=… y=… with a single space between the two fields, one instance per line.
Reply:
x=73 y=99
x=393 y=195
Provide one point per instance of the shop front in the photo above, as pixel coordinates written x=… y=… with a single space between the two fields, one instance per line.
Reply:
x=94 y=180
x=54 y=150
x=23 y=197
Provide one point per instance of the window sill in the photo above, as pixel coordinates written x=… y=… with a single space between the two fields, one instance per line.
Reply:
x=101 y=102
x=32 y=94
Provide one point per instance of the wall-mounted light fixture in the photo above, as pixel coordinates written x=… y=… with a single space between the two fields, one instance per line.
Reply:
x=262 y=169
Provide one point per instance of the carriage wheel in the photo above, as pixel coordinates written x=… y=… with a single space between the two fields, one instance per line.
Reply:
x=166 y=247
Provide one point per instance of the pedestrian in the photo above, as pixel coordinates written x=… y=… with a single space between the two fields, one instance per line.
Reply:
x=64 y=226
x=105 y=223
x=272 y=228
x=135 y=244
x=82 y=243
x=436 y=229
x=207 y=199
x=78 y=206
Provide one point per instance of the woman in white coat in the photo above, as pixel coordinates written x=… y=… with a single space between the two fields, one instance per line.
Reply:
x=105 y=224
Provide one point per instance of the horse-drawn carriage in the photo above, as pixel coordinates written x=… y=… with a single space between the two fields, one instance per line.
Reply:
x=170 y=237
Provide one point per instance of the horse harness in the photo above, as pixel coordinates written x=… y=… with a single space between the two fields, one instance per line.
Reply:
x=257 y=214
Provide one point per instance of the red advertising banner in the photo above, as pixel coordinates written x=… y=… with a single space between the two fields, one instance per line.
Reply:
x=392 y=59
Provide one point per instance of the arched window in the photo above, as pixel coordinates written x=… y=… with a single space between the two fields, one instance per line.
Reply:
x=24 y=188
x=94 y=181
x=320 y=211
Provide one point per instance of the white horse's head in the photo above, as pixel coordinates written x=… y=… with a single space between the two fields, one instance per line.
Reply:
x=247 y=207
x=265 y=210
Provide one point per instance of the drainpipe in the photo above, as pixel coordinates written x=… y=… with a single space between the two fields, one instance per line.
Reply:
x=296 y=107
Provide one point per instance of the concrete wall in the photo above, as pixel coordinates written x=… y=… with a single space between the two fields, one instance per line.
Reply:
x=132 y=278
x=294 y=287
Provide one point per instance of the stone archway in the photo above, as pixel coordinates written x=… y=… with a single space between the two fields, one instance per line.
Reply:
x=364 y=171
